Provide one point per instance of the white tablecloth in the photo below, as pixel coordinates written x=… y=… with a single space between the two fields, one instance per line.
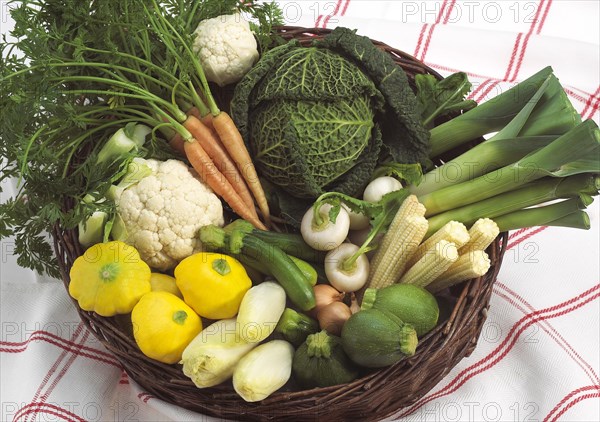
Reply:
x=538 y=355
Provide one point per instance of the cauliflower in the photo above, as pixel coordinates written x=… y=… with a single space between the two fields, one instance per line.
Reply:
x=162 y=213
x=226 y=47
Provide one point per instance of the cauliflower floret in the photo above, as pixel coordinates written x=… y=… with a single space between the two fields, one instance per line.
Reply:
x=226 y=48
x=163 y=212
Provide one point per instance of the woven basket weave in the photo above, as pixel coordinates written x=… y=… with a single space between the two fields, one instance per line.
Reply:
x=376 y=395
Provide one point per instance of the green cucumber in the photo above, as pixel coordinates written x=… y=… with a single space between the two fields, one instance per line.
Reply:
x=374 y=338
x=410 y=303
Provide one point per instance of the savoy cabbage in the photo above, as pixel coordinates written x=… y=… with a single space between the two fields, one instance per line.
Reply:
x=322 y=117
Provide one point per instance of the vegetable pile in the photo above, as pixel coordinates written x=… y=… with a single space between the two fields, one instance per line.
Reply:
x=301 y=242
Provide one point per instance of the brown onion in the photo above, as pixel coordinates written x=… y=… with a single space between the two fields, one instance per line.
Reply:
x=333 y=317
x=324 y=295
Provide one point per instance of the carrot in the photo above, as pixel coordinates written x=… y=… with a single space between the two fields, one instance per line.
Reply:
x=205 y=137
x=234 y=144
x=208 y=172
x=176 y=142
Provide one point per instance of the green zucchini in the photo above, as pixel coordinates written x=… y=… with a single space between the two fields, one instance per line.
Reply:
x=291 y=243
x=321 y=362
x=276 y=262
x=295 y=327
x=374 y=338
x=309 y=271
x=410 y=303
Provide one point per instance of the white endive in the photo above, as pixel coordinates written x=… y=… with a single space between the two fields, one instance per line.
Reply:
x=212 y=356
x=260 y=310
x=264 y=370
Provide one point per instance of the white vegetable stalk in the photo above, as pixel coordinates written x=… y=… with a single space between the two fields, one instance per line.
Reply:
x=212 y=356
x=320 y=233
x=264 y=370
x=260 y=310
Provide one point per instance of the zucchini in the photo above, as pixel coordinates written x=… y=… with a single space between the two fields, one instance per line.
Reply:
x=275 y=261
x=321 y=362
x=374 y=338
x=410 y=303
x=295 y=327
x=291 y=243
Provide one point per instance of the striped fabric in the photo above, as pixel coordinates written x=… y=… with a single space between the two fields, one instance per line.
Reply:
x=538 y=355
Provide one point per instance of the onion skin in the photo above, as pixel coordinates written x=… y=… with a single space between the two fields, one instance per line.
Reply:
x=333 y=317
x=324 y=295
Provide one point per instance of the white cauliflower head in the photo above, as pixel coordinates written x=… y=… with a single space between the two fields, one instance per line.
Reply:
x=163 y=212
x=226 y=48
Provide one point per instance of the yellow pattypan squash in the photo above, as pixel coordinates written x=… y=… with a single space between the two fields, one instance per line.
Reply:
x=109 y=278
x=213 y=284
x=163 y=326
x=164 y=283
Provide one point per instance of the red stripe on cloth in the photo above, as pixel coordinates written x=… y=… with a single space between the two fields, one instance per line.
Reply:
x=318 y=21
x=513 y=55
x=345 y=7
x=145 y=397
x=507 y=344
x=543 y=21
x=486 y=91
x=548 y=328
x=544 y=5
x=335 y=12
x=420 y=40
x=527 y=236
x=473 y=93
x=569 y=396
x=453 y=70
x=94 y=354
x=589 y=103
x=518 y=232
x=574 y=402
x=54 y=367
x=45 y=408
x=438 y=19
x=60 y=375
x=449 y=12
x=42 y=334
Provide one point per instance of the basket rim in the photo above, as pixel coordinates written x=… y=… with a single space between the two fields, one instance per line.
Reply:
x=460 y=330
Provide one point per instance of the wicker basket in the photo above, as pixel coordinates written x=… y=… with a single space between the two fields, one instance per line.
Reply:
x=376 y=395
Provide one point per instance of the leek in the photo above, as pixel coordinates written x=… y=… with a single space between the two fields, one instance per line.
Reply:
x=567 y=155
x=540 y=216
x=547 y=115
x=535 y=193
x=486 y=118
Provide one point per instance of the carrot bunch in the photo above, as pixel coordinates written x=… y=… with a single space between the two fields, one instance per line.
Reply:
x=218 y=154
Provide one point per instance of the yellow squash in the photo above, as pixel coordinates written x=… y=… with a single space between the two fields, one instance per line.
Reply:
x=163 y=326
x=212 y=284
x=109 y=278
x=164 y=283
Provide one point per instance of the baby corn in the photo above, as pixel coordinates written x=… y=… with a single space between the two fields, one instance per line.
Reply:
x=482 y=234
x=432 y=264
x=401 y=240
x=453 y=232
x=470 y=265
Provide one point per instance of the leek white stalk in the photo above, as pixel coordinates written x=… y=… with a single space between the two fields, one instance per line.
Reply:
x=260 y=311
x=212 y=356
x=264 y=370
